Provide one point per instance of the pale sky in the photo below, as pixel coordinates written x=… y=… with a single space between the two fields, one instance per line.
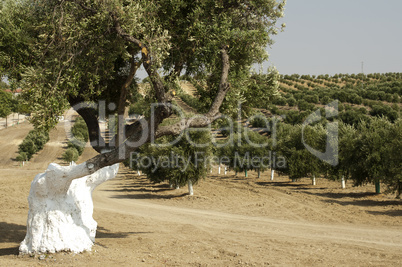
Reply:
x=328 y=37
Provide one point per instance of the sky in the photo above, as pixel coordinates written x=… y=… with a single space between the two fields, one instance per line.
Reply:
x=329 y=37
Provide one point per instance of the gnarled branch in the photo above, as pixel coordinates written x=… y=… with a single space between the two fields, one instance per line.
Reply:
x=152 y=131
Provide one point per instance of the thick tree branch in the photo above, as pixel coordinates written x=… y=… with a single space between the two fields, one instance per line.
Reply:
x=144 y=131
x=124 y=88
x=146 y=59
x=223 y=85
x=122 y=100
x=213 y=113
x=195 y=122
x=91 y=120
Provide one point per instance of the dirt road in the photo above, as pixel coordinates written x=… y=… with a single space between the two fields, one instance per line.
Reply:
x=231 y=220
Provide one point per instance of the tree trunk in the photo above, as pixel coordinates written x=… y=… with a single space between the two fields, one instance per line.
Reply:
x=377 y=187
x=245 y=173
x=61 y=207
x=259 y=173
x=313 y=180
x=226 y=170
x=343 y=182
x=60 y=200
x=190 y=188
x=272 y=174
x=219 y=169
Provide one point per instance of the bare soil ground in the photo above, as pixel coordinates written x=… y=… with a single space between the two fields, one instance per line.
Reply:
x=231 y=220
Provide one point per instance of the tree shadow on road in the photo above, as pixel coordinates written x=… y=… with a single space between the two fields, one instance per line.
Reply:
x=151 y=196
x=290 y=184
x=392 y=213
x=363 y=199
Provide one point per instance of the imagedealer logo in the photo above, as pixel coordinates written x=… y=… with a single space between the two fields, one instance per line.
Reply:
x=330 y=155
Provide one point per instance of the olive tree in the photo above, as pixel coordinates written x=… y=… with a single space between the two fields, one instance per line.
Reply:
x=86 y=53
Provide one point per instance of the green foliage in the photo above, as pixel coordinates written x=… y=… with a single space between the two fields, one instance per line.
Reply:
x=22 y=156
x=227 y=129
x=353 y=117
x=80 y=135
x=71 y=154
x=188 y=159
x=247 y=151
x=139 y=108
x=32 y=143
x=5 y=104
x=28 y=146
x=303 y=105
x=371 y=143
x=383 y=110
x=262 y=86
x=292 y=102
x=59 y=50
x=193 y=102
x=259 y=120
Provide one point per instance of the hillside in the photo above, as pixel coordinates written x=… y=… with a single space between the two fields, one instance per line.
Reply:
x=358 y=95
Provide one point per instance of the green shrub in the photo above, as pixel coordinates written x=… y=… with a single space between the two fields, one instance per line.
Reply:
x=193 y=102
x=71 y=154
x=79 y=146
x=280 y=101
x=22 y=156
x=225 y=128
x=81 y=136
x=28 y=146
x=259 y=121
x=33 y=142
x=292 y=102
x=40 y=138
x=304 y=105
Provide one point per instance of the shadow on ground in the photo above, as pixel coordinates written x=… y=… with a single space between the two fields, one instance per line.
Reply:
x=150 y=196
x=392 y=213
x=11 y=233
x=105 y=233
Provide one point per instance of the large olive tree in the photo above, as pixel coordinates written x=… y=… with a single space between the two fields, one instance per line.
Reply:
x=72 y=52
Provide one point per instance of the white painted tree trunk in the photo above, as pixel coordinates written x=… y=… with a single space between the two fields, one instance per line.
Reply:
x=190 y=188
x=272 y=174
x=226 y=170
x=313 y=181
x=61 y=207
x=343 y=182
x=219 y=169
